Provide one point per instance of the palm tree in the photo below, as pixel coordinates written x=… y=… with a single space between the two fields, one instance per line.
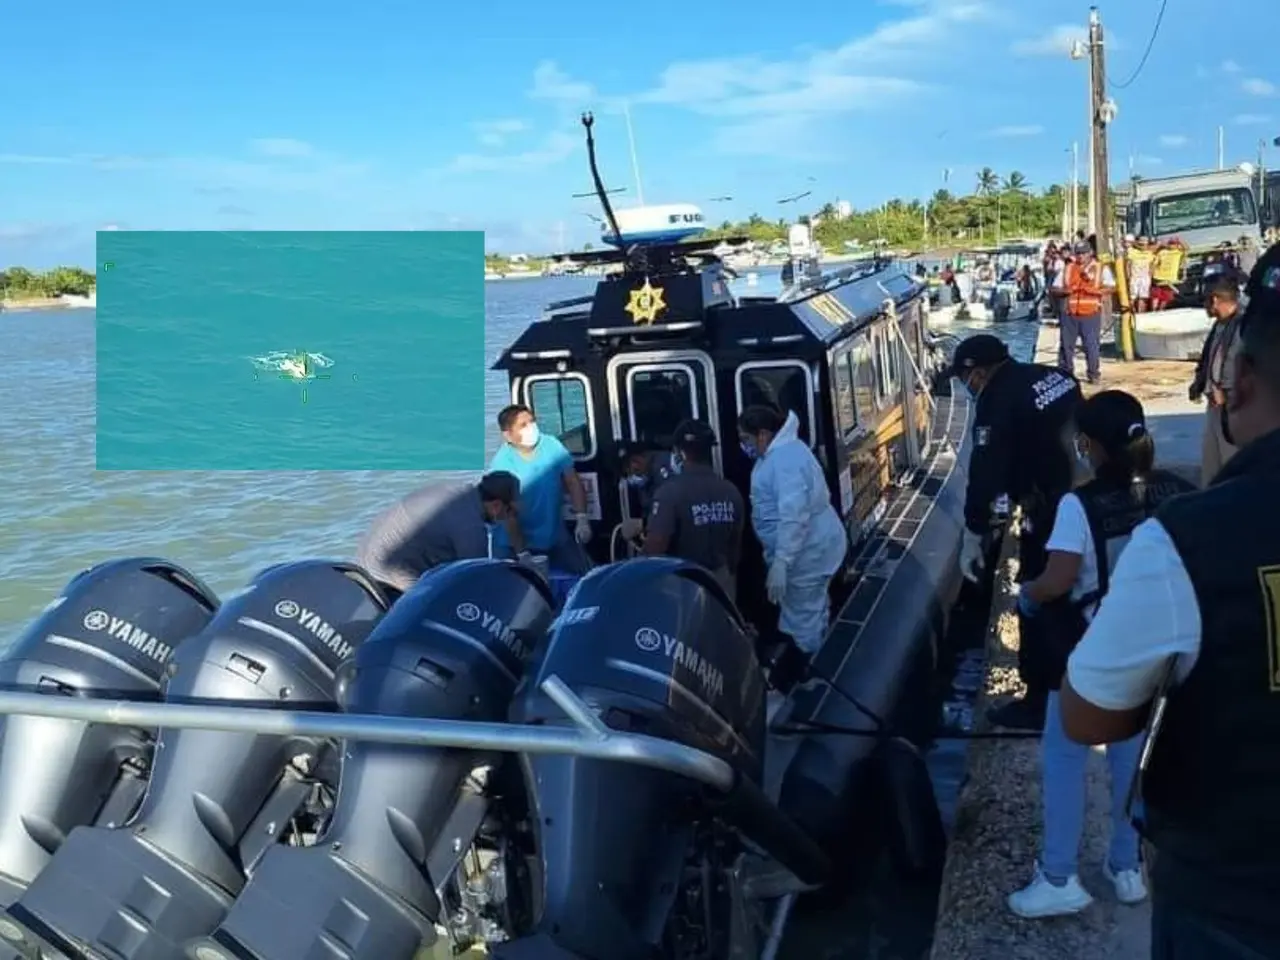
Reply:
x=1015 y=182
x=987 y=182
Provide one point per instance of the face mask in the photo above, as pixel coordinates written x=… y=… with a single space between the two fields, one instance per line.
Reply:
x=529 y=435
x=636 y=481
x=749 y=449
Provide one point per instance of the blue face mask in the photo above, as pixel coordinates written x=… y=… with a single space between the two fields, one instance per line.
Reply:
x=636 y=481
x=749 y=449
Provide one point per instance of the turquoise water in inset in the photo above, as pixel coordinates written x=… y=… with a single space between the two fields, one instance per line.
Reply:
x=185 y=319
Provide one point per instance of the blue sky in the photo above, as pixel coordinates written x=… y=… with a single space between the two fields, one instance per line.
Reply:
x=392 y=114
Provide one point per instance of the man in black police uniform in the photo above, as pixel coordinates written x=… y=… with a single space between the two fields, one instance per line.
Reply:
x=1211 y=789
x=645 y=467
x=1021 y=454
x=696 y=514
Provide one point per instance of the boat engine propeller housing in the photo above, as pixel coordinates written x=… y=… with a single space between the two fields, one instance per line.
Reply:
x=216 y=801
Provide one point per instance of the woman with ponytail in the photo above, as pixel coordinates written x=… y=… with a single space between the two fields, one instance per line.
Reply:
x=1092 y=526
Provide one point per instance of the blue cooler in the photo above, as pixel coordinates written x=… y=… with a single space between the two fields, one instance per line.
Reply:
x=561 y=584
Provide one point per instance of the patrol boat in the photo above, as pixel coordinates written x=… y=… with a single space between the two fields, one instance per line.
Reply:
x=594 y=782
x=849 y=353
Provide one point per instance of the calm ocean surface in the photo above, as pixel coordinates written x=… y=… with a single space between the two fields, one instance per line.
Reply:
x=58 y=516
x=183 y=316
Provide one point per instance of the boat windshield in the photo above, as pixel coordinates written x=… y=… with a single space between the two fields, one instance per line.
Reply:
x=1208 y=209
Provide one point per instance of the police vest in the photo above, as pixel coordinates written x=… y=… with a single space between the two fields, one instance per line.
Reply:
x=1113 y=511
x=1211 y=791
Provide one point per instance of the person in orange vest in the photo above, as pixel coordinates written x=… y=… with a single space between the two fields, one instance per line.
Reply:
x=1088 y=283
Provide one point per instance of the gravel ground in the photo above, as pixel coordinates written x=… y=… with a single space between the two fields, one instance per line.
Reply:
x=997 y=835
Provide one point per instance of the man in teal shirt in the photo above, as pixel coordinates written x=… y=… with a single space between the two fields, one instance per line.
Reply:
x=545 y=471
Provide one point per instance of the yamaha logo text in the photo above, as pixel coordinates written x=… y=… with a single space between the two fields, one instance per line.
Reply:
x=709 y=676
x=124 y=631
x=315 y=625
x=471 y=613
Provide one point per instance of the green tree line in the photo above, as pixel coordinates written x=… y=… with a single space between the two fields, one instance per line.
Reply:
x=19 y=283
x=997 y=208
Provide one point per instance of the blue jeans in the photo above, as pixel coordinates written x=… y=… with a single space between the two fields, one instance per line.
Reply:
x=1088 y=329
x=1064 y=765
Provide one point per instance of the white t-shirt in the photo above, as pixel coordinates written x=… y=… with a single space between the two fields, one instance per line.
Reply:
x=1071 y=534
x=1149 y=615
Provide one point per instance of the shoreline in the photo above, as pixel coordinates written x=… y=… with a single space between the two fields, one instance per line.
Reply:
x=49 y=303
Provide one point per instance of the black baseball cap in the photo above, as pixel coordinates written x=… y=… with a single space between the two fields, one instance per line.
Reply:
x=501 y=486
x=980 y=350
x=694 y=435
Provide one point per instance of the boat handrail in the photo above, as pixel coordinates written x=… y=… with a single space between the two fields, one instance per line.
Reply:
x=589 y=738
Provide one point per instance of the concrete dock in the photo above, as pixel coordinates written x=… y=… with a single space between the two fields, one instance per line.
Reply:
x=997 y=829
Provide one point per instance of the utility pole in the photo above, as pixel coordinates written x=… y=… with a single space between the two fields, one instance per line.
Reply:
x=1222 y=148
x=1075 y=189
x=1099 y=193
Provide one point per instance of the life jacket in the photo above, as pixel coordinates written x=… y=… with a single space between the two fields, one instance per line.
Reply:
x=1084 y=290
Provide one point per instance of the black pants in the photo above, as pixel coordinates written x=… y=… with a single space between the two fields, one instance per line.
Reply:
x=1032 y=558
x=1178 y=933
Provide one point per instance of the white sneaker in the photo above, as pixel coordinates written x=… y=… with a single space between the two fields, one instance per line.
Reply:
x=1041 y=898
x=1130 y=887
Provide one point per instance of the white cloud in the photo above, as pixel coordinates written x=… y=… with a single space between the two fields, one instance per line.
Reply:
x=1173 y=140
x=553 y=84
x=1258 y=87
x=1143 y=160
x=1016 y=130
x=282 y=147
x=1230 y=66
x=1250 y=119
x=555 y=147
x=1055 y=42
x=770 y=106
x=494 y=133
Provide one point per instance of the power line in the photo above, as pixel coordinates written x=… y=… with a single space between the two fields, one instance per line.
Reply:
x=1155 y=32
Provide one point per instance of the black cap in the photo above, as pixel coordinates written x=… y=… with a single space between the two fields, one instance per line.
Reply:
x=980 y=350
x=1263 y=289
x=501 y=486
x=1113 y=418
x=693 y=435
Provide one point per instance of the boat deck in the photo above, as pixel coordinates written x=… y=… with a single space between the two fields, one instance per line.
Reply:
x=997 y=827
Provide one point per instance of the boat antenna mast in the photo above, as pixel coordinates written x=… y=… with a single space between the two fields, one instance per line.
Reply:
x=587 y=122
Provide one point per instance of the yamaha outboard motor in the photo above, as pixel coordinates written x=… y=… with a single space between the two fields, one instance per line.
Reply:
x=108 y=634
x=656 y=647
x=454 y=648
x=215 y=800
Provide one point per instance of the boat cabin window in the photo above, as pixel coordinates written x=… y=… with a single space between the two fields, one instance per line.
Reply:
x=658 y=398
x=864 y=378
x=784 y=384
x=842 y=383
x=562 y=404
x=886 y=366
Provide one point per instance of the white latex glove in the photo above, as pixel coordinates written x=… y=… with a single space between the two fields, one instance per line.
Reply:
x=776 y=583
x=582 y=529
x=632 y=528
x=972 y=561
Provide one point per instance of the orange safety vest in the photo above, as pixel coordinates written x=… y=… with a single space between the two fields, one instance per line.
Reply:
x=1084 y=290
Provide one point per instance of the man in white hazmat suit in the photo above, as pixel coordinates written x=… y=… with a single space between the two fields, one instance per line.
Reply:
x=803 y=539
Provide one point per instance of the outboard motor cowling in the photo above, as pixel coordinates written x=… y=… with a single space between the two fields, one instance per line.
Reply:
x=655 y=647
x=109 y=633
x=453 y=647
x=215 y=800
